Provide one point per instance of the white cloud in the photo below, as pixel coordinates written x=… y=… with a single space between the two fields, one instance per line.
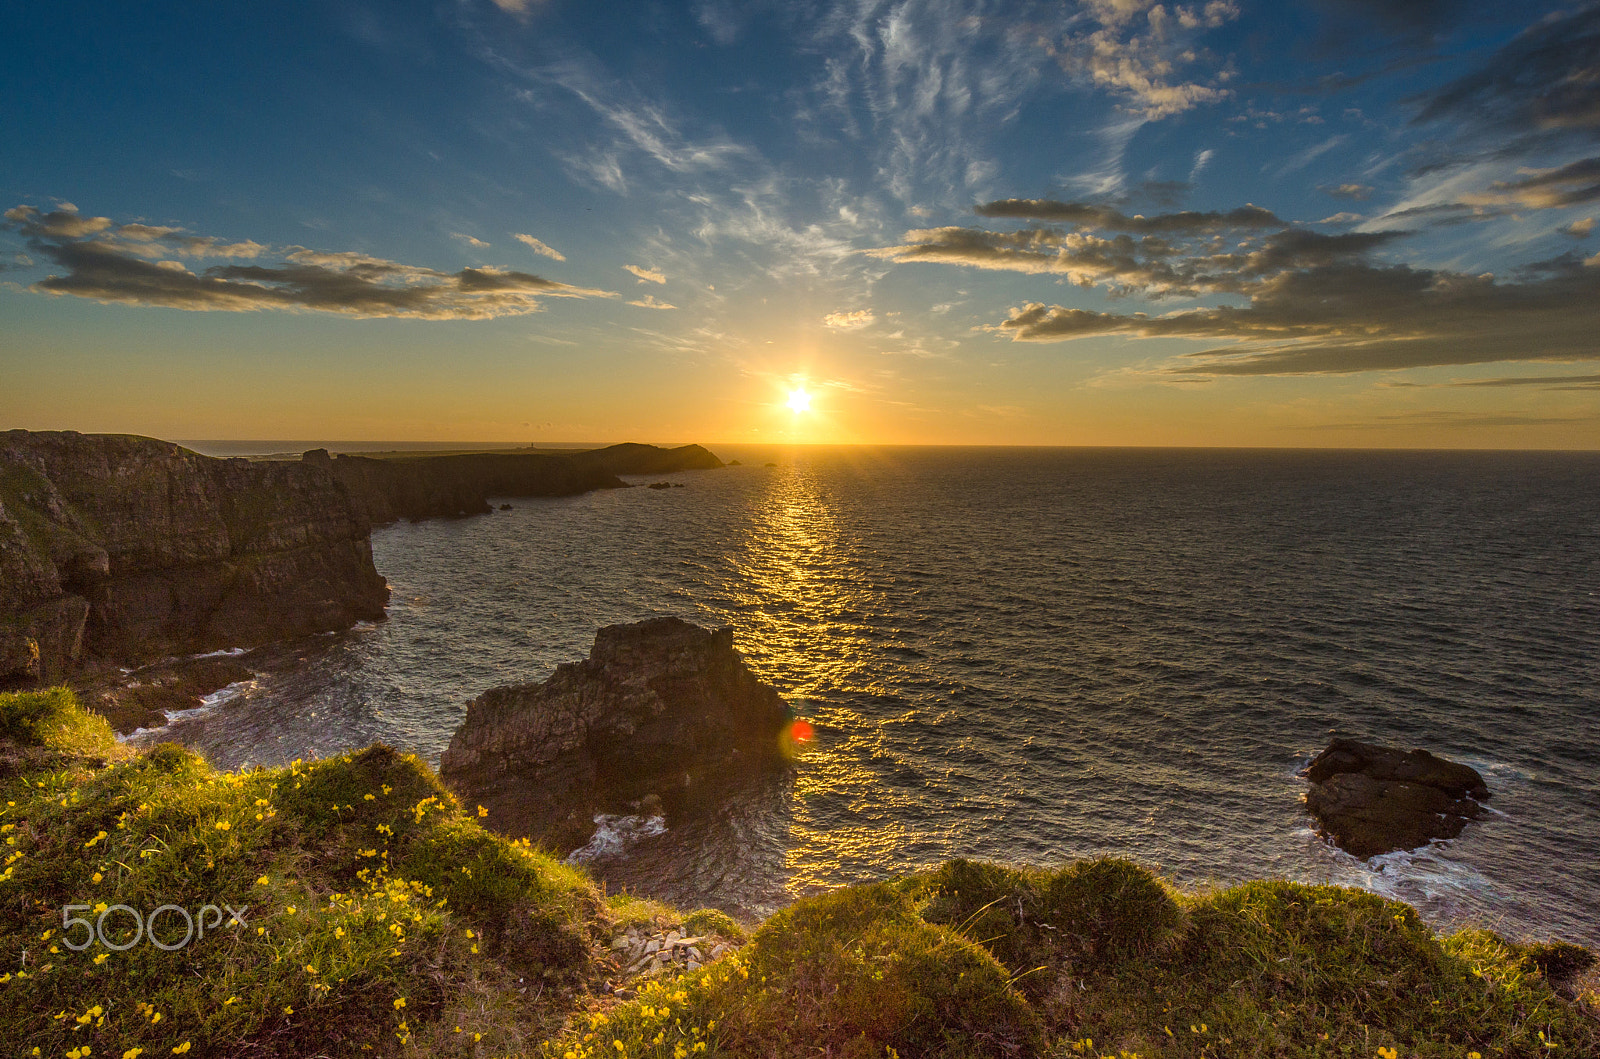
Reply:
x=850 y=321
x=540 y=247
x=649 y=302
x=470 y=240
x=646 y=275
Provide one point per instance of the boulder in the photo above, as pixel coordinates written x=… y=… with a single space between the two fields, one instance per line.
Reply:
x=1369 y=799
x=660 y=707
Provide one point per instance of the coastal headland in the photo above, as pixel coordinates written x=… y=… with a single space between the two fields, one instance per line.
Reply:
x=119 y=551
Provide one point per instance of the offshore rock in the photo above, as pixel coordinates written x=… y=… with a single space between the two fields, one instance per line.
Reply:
x=659 y=707
x=1370 y=799
x=119 y=550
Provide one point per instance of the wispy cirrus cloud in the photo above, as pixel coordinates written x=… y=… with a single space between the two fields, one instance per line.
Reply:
x=107 y=262
x=649 y=301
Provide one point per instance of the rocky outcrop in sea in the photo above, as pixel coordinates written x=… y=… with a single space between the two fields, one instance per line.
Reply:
x=659 y=708
x=1370 y=800
x=121 y=550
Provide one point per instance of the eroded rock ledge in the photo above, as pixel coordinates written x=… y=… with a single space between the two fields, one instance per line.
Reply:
x=1370 y=799
x=660 y=707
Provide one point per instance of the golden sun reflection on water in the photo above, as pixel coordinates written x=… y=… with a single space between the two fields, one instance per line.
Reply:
x=809 y=611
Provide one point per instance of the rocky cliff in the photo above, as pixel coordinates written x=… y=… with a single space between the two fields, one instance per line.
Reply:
x=428 y=486
x=118 y=549
x=661 y=707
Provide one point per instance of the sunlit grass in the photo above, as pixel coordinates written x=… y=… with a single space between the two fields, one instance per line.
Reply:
x=360 y=911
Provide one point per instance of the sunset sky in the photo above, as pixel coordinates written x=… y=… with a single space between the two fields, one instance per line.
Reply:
x=1235 y=222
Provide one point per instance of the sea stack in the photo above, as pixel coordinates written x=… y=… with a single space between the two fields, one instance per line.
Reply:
x=660 y=707
x=1370 y=800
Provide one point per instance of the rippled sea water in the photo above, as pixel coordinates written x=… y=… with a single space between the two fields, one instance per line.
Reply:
x=1036 y=655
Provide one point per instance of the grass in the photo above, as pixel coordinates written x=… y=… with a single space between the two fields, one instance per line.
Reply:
x=376 y=917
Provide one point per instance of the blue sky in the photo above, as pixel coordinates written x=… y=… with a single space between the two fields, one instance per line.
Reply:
x=1335 y=222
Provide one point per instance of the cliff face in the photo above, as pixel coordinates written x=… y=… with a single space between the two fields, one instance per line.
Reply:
x=660 y=707
x=424 y=486
x=125 y=549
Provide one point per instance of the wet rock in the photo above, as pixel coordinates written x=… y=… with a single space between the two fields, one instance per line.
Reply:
x=144 y=697
x=659 y=707
x=1370 y=800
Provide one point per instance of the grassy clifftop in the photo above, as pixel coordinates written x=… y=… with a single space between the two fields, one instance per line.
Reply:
x=349 y=906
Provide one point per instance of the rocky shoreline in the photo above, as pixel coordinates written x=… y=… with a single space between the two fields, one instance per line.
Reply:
x=122 y=558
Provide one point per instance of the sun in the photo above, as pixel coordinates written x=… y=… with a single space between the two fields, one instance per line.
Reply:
x=799 y=401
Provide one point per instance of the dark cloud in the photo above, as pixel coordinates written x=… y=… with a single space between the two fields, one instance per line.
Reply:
x=130 y=264
x=1451 y=419
x=1350 y=191
x=1548 y=78
x=1085 y=215
x=1550 y=382
x=1181 y=263
x=1572 y=184
x=1355 y=317
x=1303 y=248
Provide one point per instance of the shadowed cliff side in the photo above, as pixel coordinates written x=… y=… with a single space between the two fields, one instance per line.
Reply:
x=660 y=707
x=119 y=549
x=429 y=486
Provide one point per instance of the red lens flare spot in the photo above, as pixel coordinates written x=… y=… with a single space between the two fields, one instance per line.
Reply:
x=801 y=731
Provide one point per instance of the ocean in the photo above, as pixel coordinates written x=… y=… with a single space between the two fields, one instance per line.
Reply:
x=1034 y=655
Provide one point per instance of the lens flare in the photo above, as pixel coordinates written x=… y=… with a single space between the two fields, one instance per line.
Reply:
x=796 y=738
